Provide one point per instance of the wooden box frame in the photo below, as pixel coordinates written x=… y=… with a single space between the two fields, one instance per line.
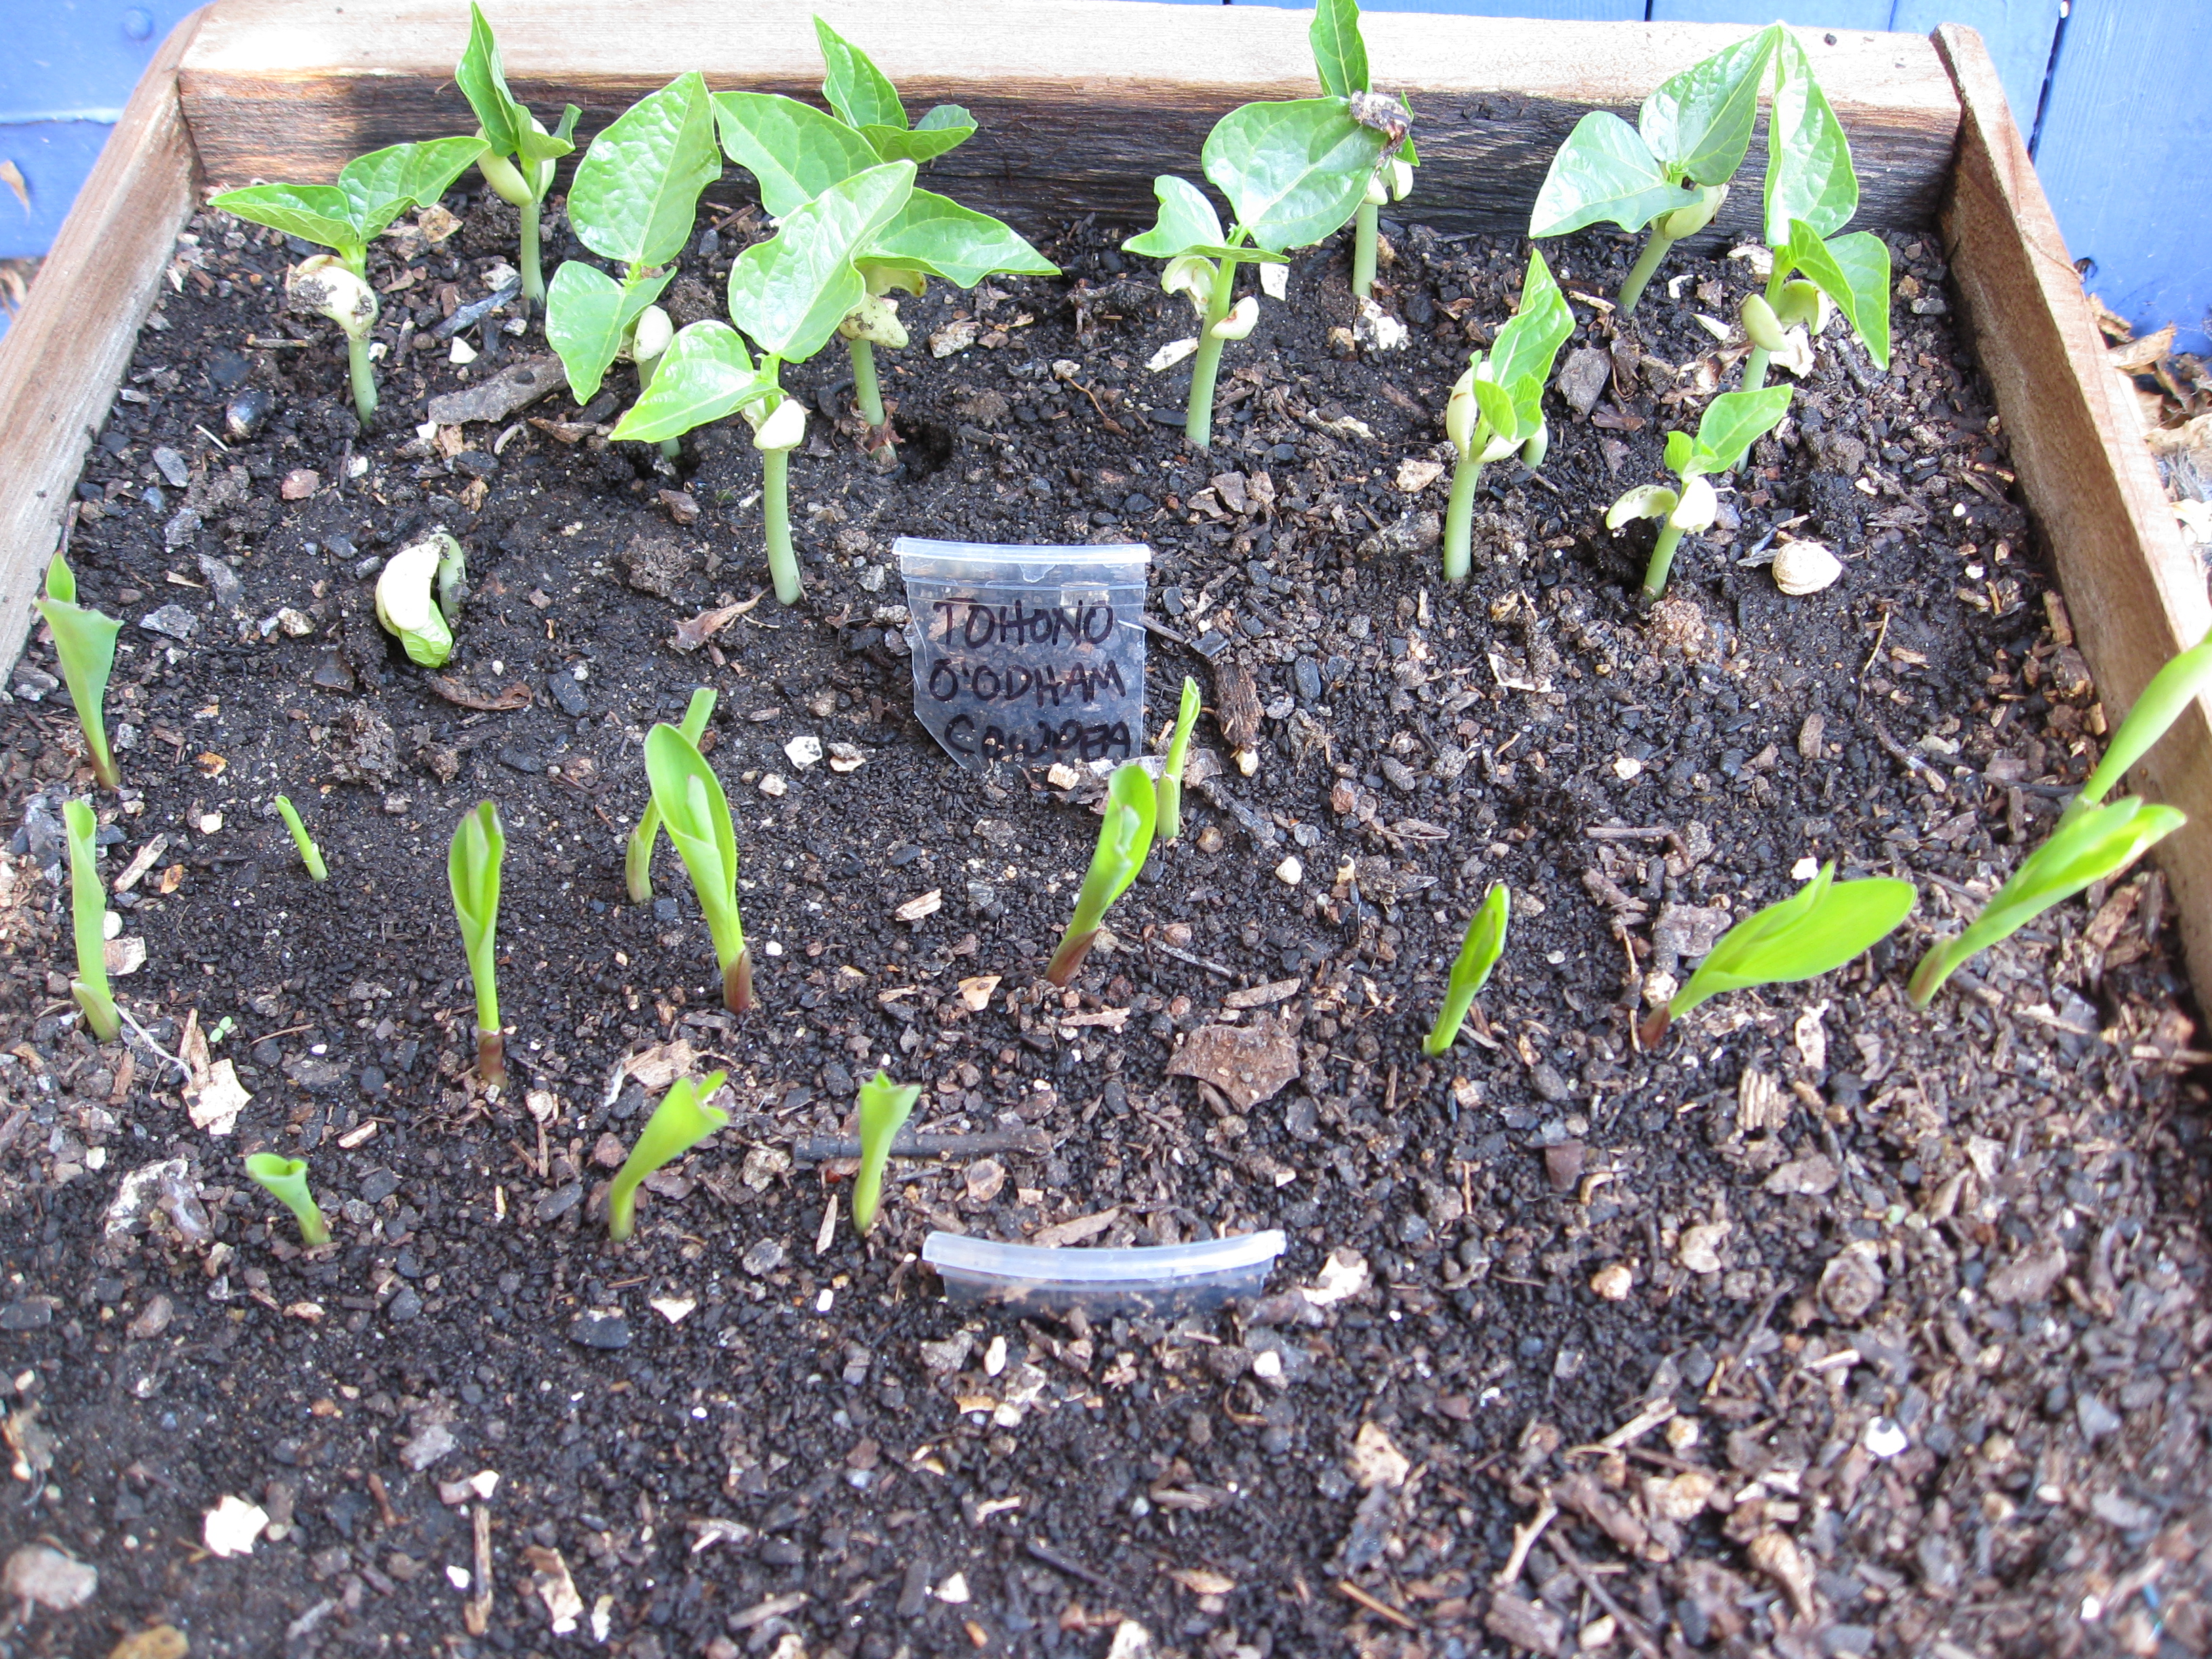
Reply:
x=1082 y=102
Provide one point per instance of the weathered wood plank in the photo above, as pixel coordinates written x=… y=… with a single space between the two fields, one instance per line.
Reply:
x=1082 y=102
x=2136 y=595
x=61 y=361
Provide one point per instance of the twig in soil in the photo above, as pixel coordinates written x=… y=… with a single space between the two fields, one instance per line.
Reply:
x=1524 y=1539
x=1912 y=762
x=1052 y=1559
x=476 y=1611
x=1624 y=832
x=1195 y=962
x=1347 y=1588
x=468 y=314
x=375 y=1485
x=146 y=1037
x=1628 y=1622
x=820 y=1149
x=212 y=439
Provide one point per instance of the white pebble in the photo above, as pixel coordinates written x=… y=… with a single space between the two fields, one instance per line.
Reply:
x=1290 y=871
x=1884 y=1439
x=804 y=749
x=772 y=786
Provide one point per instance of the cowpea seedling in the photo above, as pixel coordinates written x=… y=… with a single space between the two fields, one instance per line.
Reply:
x=681 y=1122
x=88 y=924
x=84 y=642
x=1169 y=819
x=472 y=867
x=696 y=815
x=1125 y=842
x=421 y=623
x=884 y=1107
x=310 y=854
x=1731 y=422
x=285 y=1179
x=519 y=155
x=637 y=857
x=1470 y=971
x=371 y=191
x=1669 y=171
x=1822 y=926
x=1341 y=62
x=1293 y=173
x=1497 y=405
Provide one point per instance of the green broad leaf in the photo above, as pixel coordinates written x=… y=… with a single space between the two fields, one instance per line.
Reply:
x=384 y=183
x=1732 y=421
x=588 y=317
x=1820 y=927
x=793 y=150
x=1680 y=446
x=1853 y=270
x=1187 y=224
x=636 y=191
x=706 y=374
x=1698 y=123
x=918 y=144
x=790 y=292
x=1808 y=160
x=483 y=82
x=695 y=812
x=1604 y=171
x=856 y=88
x=321 y=214
x=1495 y=404
x=1293 y=171
x=1339 y=53
x=1526 y=346
x=552 y=146
x=936 y=236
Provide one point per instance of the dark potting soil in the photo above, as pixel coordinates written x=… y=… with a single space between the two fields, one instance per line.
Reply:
x=1897 y=1314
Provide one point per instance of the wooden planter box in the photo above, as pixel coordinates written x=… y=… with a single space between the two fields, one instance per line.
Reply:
x=1081 y=103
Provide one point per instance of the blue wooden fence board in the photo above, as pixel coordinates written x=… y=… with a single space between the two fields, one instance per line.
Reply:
x=1573 y=11
x=1823 y=15
x=53 y=157
x=2018 y=33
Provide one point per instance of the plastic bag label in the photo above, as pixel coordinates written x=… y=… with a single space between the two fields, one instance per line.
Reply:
x=1028 y=656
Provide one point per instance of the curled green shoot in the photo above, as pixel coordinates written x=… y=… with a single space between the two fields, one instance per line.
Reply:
x=89 y=923
x=1730 y=424
x=310 y=854
x=1341 y=62
x=696 y=815
x=884 y=1107
x=1170 y=785
x=1497 y=405
x=680 y=1122
x=518 y=157
x=1124 y=841
x=84 y=641
x=1477 y=954
x=637 y=858
x=473 y=868
x=285 y=1179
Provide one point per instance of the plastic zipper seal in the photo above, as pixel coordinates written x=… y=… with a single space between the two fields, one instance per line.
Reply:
x=1159 y=1280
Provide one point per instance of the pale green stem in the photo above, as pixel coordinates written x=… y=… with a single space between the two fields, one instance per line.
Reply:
x=1199 y=427
x=363 y=373
x=1662 y=560
x=533 y=275
x=775 y=513
x=1364 y=231
x=1459 y=512
x=866 y=391
x=1655 y=249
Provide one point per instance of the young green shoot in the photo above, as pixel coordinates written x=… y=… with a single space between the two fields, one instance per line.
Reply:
x=637 y=858
x=310 y=854
x=89 y=923
x=1822 y=926
x=1125 y=842
x=1170 y=817
x=696 y=815
x=84 y=641
x=1669 y=171
x=519 y=155
x=1497 y=405
x=371 y=191
x=680 y=1122
x=472 y=869
x=2163 y=701
x=404 y=604
x=884 y=1107
x=1477 y=954
x=1731 y=424
x=1293 y=173
x=1341 y=62
x=285 y=1179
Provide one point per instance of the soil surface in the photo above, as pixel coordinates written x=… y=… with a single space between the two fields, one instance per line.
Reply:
x=1831 y=1328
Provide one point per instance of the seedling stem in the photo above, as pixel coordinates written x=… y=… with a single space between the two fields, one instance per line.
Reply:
x=310 y=854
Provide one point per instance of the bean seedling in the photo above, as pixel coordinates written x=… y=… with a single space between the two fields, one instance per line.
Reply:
x=1478 y=955
x=473 y=870
x=1731 y=422
x=84 y=641
x=285 y=1179
x=637 y=857
x=422 y=624
x=1497 y=405
x=680 y=1122
x=519 y=155
x=310 y=854
x=884 y=1107
x=1340 y=62
x=371 y=191
x=696 y=815
x=88 y=924
x=1170 y=820
x=1822 y=926
x=1124 y=841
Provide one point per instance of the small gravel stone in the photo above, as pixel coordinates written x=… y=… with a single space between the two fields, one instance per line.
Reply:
x=1290 y=871
x=406 y=1306
x=562 y=687
x=378 y=1185
x=761 y=1257
x=174 y=467
x=173 y=620
x=600 y=1327
x=1307 y=673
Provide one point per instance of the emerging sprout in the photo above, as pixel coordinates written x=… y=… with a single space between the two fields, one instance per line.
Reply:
x=1170 y=820
x=1731 y=422
x=310 y=854
x=422 y=625
x=2170 y=693
x=322 y=284
x=637 y=859
x=519 y=153
x=285 y=1179
x=88 y=922
x=1341 y=62
x=1822 y=926
x=1497 y=406
x=680 y=1122
x=472 y=869
x=1124 y=841
x=84 y=641
x=1477 y=954
x=696 y=814
x=884 y=1107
